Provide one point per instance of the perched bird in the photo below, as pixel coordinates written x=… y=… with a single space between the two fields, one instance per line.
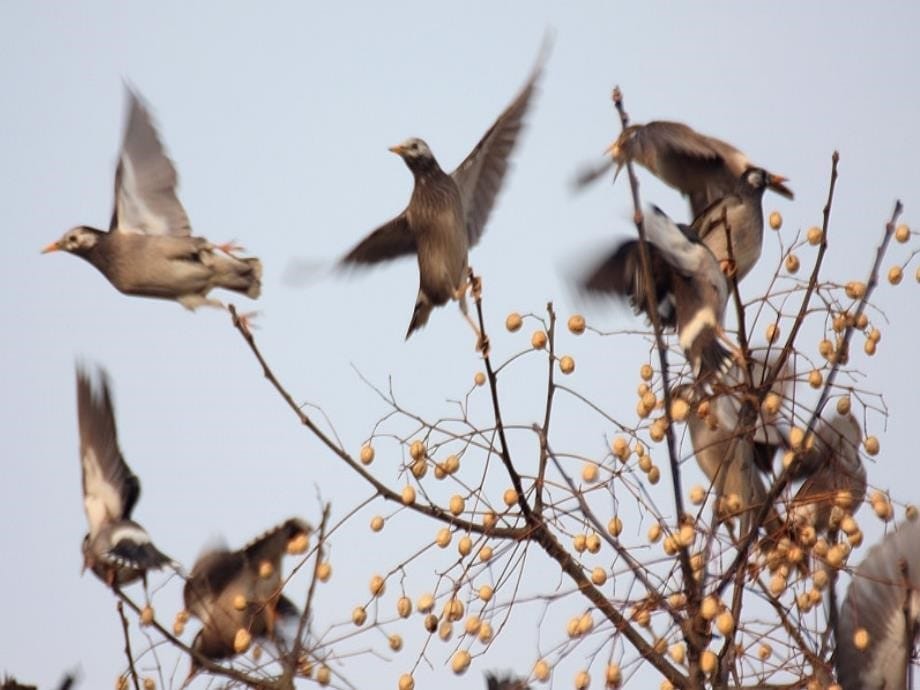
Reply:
x=883 y=599
x=230 y=591
x=832 y=465
x=728 y=452
x=149 y=249
x=447 y=213
x=117 y=549
x=703 y=168
x=691 y=289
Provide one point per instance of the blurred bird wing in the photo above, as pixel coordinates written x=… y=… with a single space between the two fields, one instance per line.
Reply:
x=673 y=141
x=213 y=571
x=272 y=544
x=688 y=257
x=876 y=600
x=479 y=177
x=391 y=240
x=110 y=489
x=145 y=181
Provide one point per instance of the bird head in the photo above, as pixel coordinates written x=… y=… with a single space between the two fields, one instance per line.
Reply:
x=758 y=178
x=416 y=154
x=79 y=240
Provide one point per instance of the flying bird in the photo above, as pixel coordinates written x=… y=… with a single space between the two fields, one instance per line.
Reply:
x=447 y=213
x=690 y=288
x=883 y=599
x=117 y=549
x=701 y=167
x=149 y=249
x=229 y=591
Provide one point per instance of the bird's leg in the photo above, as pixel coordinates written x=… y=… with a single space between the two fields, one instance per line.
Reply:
x=475 y=285
x=243 y=320
x=729 y=267
x=733 y=348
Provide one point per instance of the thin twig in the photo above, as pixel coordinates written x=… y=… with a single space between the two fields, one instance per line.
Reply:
x=128 y=654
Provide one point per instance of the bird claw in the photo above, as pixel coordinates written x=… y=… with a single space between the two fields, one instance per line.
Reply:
x=231 y=248
x=475 y=286
x=729 y=267
x=483 y=345
x=245 y=321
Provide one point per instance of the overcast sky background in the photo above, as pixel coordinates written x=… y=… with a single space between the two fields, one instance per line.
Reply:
x=278 y=119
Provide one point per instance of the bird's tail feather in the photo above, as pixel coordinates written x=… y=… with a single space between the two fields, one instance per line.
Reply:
x=419 y=315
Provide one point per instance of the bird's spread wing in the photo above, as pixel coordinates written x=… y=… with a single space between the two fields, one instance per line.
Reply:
x=212 y=572
x=391 y=240
x=678 y=249
x=675 y=140
x=479 y=177
x=271 y=545
x=145 y=181
x=110 y=489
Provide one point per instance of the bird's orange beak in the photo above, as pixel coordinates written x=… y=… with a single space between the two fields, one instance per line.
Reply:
x=777 y=179
x=399 y=149
x=53 y=247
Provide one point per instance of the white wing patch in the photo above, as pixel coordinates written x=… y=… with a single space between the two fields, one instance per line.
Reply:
x=133 y=533
x=704 y=318
x=101 y=500
x=680 y=252
x=134 y=214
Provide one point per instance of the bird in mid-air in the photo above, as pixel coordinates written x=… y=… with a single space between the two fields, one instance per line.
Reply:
x=447 y=213
x=230 y=591
x=117 y=549
x=149 y=249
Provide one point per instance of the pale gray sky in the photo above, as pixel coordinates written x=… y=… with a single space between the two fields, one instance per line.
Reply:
x=278 y=121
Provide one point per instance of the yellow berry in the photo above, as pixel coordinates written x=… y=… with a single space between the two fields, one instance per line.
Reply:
x=709 y=608
x=461 y=661
x=792 y=263
x=815 y=235
x=241 y=640
x=358 y=615
x=654 y=474
x=149 y=684
x=708 y=661
x=869 y=347
x=771 y=404
x=417 y=450
x=510 y=497
x=815 y=379
x=419 y=468
x=911 y=512
x=895 y=275
x=613 y=677
x=902 y=233
x=486 y=592
x=871 y=444
x=615 y=526
x=582 y=680
x=861 y=639
x=323 y=675
x=541 y=670
x=566 y=364
x=377 y=585
x=843 y=405
x=589 y=472
x=678 y=652
x=298 y=544
x=654 y=532
x=538 y=340
x=396 y=642
x=855 y=289
x=376 y=523
x=406 y=682
x=404 y=607
x=772 y=333
x=408 y=495
x=646 y=372
x=425 y=603
x=513 y=322
x=776 y=220
x=697 y=494
x=147 y=615
x=577 y=324
x=598 y=576
x=480 y=378
x=485 y=632
x=457 y=504
x=680 y=409
x=239 y=602
x=764 y=651
x=485 y=553
x=472 y=625
x=465 y=545
x=725 y=623
x=367 y=454
x=620 y=447
x=451 y=464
